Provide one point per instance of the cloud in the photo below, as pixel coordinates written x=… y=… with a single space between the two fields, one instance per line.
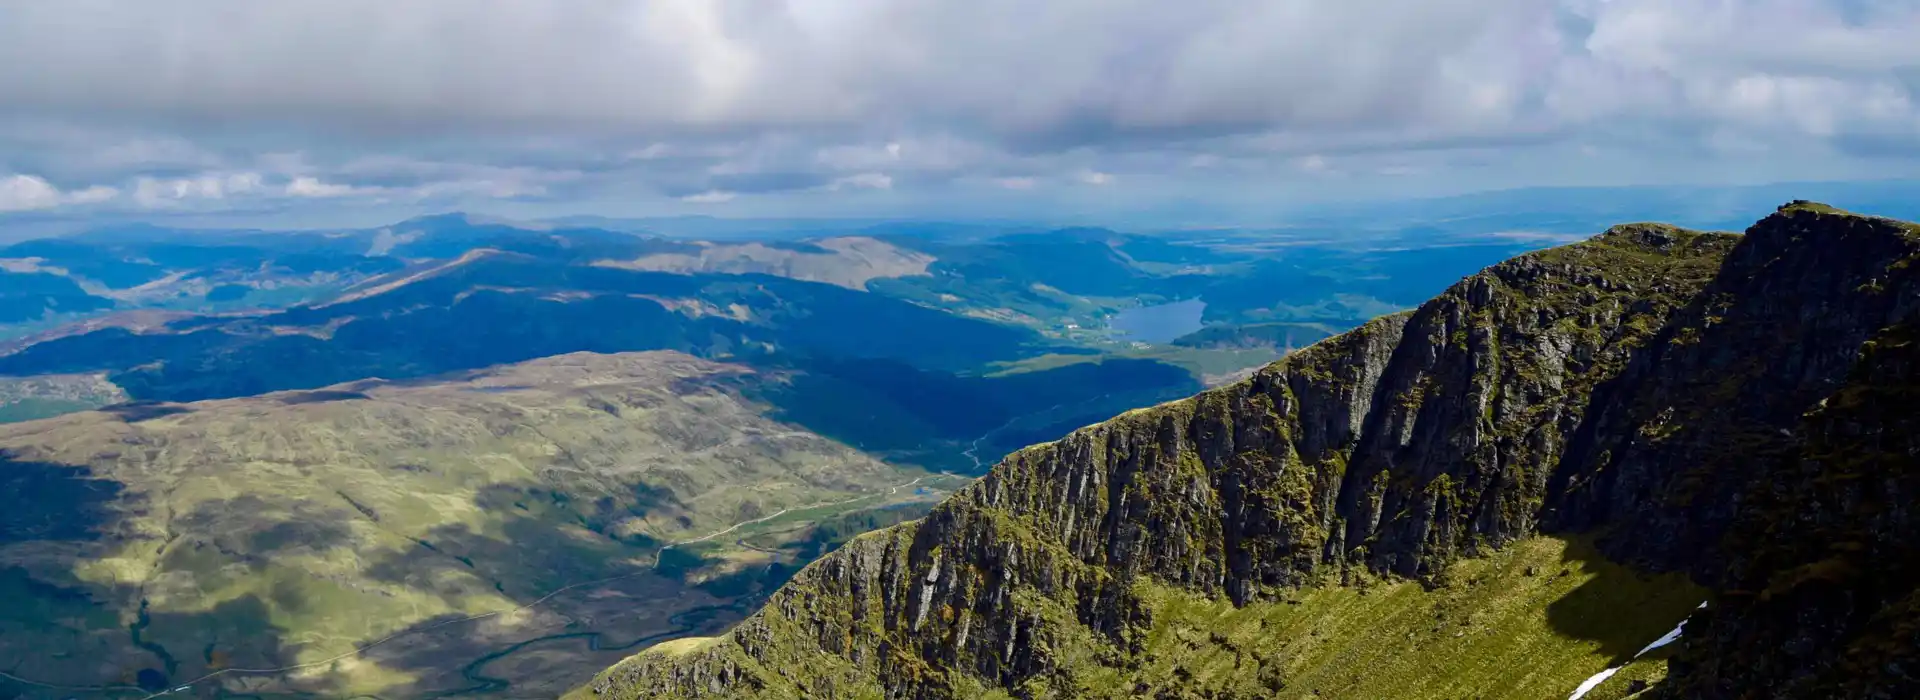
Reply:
x=710 y=197
x=20 y=193
x=169 y=192
x=868 y=181
x=93 y=195
x=1081 y=69
x=450 y=101
x=26 y=193
x=313 y=187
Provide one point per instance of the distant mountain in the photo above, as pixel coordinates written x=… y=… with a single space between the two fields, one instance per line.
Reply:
x=452 y=235
x=848 y=261
x=148 y=545
x=182 y=314
x=147 y=267
x=1282 y=336
x=1532 y=484
x=489 y=308
x=29 y=296
x=737 y=229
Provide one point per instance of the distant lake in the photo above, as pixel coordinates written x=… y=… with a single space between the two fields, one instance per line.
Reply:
x=1160 y=323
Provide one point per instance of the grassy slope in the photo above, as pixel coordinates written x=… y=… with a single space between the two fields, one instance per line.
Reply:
x=293 y=527
x=1491 y=631
x=1528 y=622
x=1647 y=670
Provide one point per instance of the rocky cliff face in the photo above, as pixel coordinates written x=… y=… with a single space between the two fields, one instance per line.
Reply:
x=1701 y=400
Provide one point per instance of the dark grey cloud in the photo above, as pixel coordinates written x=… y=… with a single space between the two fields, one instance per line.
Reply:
x=196 y=104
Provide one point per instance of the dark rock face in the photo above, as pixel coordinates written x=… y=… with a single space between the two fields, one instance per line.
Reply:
x=1702 y=399
x=1821 y=594
x=1681 y=435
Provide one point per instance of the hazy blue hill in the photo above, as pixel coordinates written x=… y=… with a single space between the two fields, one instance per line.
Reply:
x=94 y=263
x=1285 y=336
x=1338 y=286
x=31 y=295
x=451 y=235
x=503 y=309
x=457 y=291
x=1169 y=250
x=1070 y=263
x=892 y=405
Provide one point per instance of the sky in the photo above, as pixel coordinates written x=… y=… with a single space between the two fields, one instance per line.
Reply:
x=356 y=110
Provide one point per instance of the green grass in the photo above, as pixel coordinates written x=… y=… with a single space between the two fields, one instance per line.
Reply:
x=1649 y=669
x=1531 y=621
x=801 y=534
x=1491 y=631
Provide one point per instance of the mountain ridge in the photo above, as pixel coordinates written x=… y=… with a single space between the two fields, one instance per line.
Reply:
x=1538 y=395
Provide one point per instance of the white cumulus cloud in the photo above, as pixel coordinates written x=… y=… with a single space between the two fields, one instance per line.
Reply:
x=21 y=192
x=710 y=197
x=26 y=193
x=313 y=187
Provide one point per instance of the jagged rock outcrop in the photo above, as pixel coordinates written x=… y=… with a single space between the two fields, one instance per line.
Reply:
x=1822 y=595
x=1646 y=384
x=1678 y=438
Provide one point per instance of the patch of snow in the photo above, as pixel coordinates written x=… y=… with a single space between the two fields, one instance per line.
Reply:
x=1669 y=638
x=1594 y=682
x=1601 y=677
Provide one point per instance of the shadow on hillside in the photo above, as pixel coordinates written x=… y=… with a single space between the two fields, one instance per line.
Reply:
x=236 y=633
x=886 y=408
x=146 y=650
x=545 y=541
x=320 y=396
x=253 y=530
x=43 y=501
x=451 y=657
x=1622 y=609
x=597 y=515
x=137 y=411
x=546 y=538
